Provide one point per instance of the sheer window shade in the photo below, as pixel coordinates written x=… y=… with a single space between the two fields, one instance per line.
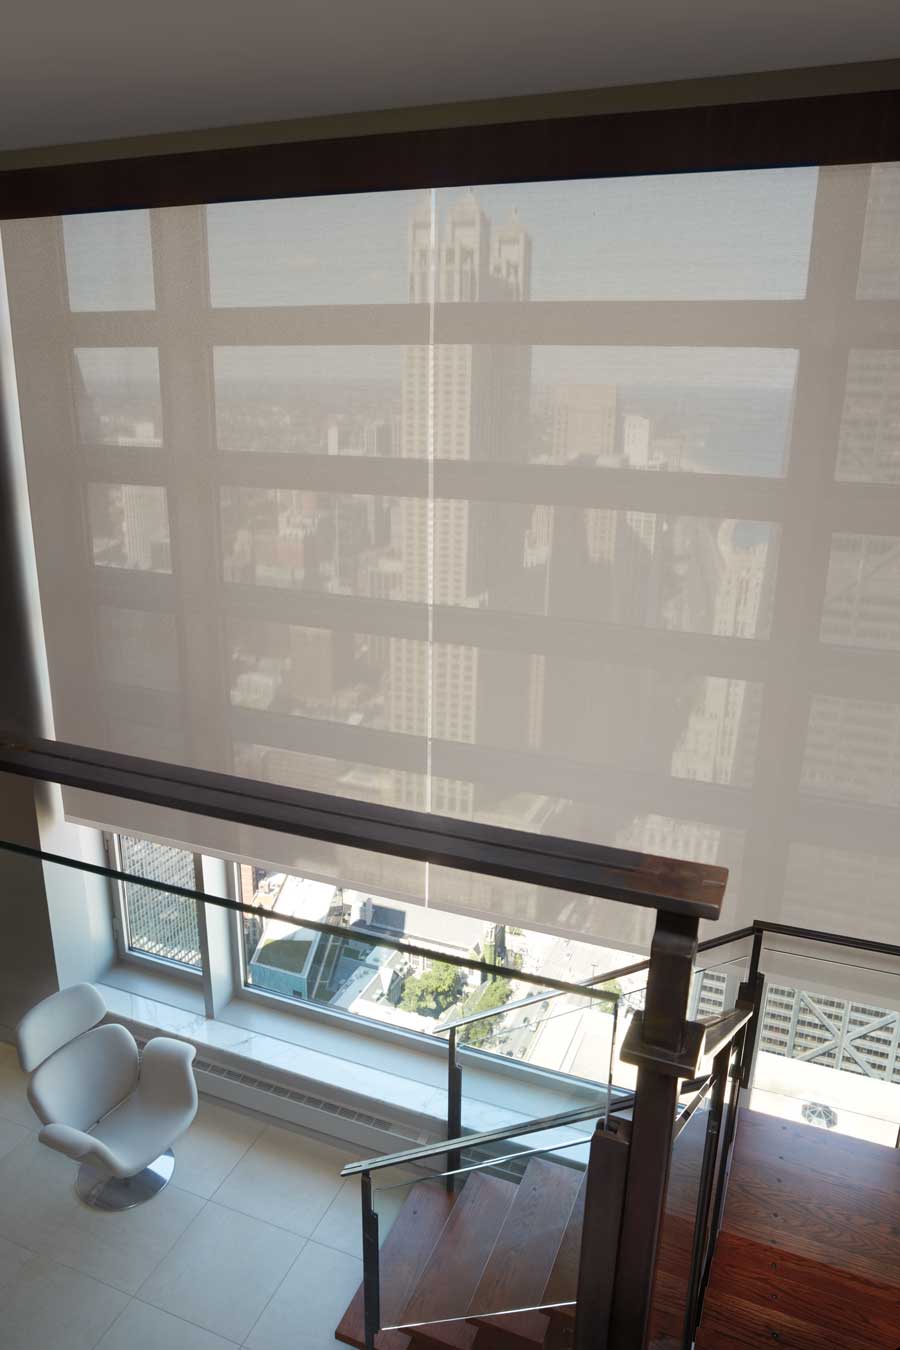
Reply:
x=570 y=506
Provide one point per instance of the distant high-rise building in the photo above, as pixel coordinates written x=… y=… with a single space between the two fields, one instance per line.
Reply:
x=145 y=528
x=462 y=401
x=836 y=1033
x=636 y=440
x=584 y=422
x=869 y=446
x=879 y=268
x=161 y=924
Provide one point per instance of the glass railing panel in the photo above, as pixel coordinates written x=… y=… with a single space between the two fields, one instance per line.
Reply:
x=537 y=1059
x=718 y=975
x=672 y=1282
x=496 y=1239
x=828 y=1048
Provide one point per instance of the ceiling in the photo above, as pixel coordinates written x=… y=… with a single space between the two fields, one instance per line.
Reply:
x=99 y=69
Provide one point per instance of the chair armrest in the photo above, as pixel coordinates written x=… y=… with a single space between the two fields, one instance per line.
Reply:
x=78 y=1145
x=166 y=1074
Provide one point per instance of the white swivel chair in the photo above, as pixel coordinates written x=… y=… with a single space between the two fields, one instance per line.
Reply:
x=114 y=1112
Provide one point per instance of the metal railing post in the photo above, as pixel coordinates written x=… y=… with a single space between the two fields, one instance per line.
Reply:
x=607 y=1169
x=454 y=1107
x=660 y=1042
x=752 y=991
x=712 y=1155
x=727 y=1141
x=371 y=1274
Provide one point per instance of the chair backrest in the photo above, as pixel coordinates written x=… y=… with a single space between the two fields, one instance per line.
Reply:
x=85 y=1079
x=56 y=1021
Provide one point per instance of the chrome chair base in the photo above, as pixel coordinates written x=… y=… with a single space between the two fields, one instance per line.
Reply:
x=100 y=1191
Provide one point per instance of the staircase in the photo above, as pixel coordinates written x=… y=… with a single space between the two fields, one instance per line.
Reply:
x=808 y=1256
x=494 y=1245
x=499 y=1245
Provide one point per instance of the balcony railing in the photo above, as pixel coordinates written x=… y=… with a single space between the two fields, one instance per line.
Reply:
x=647 y=1185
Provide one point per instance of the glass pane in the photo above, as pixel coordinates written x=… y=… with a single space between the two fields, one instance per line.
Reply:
x=666 y=723
x=160 y=924
x=831 y=1057
x=862 y=592
x=571 y=1036
x=713 y=236
x=819 y=880
x=341 y=543
x=531 y=1194
x=869 y=446
x=852 y=750
x=129 y=526
x=687 y=573
x=879 y=268
x=718 y=975
x=349 y=249
x=361 y=679
x=671 y=1283
x=313 y=400
x=715 y=410
x=137 y=648
x=109 y=262
x=117 y=396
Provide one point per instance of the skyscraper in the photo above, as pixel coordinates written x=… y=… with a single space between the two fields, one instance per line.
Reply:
x=461 y=401
x=161 y=924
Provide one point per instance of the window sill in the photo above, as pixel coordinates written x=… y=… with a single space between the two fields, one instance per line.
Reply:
x=365 y=1068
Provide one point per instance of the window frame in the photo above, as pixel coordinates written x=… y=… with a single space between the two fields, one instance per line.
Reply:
x=121 y=926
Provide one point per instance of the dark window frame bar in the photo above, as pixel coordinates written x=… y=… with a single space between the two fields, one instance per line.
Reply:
x=823 y=129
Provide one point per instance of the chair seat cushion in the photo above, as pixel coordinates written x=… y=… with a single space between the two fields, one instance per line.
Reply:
x=144 y=1126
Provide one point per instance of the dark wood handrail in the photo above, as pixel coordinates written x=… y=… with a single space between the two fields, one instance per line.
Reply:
x=669 y=885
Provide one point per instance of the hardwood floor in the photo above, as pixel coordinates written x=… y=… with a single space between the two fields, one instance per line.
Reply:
x=809 y=1253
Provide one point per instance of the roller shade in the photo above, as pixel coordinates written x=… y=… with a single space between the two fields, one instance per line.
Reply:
x=571 y=506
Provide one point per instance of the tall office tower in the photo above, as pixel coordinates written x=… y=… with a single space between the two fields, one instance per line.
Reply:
x=862 y=593
x=464 y=401
x=636 y=440
x=869 y=447
x=837 y=1033
x=584 y=423
x=164 y=925
x=879 y=268
x=145 y=528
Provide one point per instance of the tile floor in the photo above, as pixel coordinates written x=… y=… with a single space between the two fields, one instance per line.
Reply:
x=255 y=1242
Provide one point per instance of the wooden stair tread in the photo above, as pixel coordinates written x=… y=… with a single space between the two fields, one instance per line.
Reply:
x=808 y=1255
x=562 y=1282
x=780 y=1296
x=765 y=1139
x=456 y=1263
x=403 y=1256
x=519 y=1266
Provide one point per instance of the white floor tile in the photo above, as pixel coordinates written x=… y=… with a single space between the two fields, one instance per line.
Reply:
x=144 y=1328
x=10 y=1135
x=285 y=1178
x=36 y=1194
x=310 y=1302
x=217 y=1140
x=40 y=1210
x=221 y=1273
x=122 y=1249
x=341 y=1224
x=49 y=1307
